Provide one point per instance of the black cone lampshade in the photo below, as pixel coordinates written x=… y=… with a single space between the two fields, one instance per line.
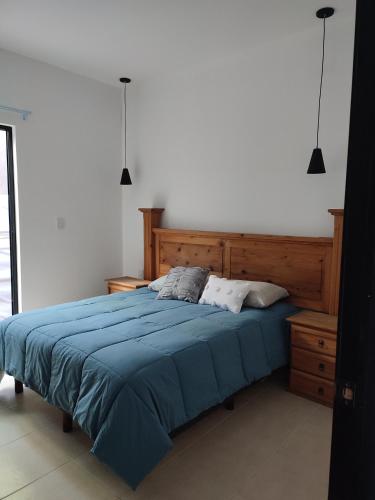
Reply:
x=125 y=178
x=316 y=163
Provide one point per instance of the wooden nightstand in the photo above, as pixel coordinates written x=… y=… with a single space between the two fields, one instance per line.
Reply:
x=313 y=356
x=125 y=284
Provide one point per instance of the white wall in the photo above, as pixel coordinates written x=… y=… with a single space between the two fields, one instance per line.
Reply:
x=227 y=146
x=69 y=165
x=221 y=147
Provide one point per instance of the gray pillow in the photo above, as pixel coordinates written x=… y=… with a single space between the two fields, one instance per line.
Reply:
x=184 y=283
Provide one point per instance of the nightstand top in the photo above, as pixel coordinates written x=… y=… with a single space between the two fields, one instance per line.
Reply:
x=129 y=282
x=316 y=320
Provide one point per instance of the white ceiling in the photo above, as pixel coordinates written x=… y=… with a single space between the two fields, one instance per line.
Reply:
x=105 y=39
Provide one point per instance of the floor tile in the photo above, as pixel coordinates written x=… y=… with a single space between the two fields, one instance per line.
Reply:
x=26 y=460
x=12 y=427
x=68 y=482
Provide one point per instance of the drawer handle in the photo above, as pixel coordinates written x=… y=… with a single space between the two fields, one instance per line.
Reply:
x=322 y=367
x=321 y=343
x=321 y=390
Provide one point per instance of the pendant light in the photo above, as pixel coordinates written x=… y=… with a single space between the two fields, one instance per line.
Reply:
x=317 y=163
x=125 y=177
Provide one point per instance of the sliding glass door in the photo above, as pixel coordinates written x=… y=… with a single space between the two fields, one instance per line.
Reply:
x=8 y=249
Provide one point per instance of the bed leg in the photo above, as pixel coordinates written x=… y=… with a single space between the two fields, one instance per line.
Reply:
x=18 y=386
x=67 y=422
x=229 y=403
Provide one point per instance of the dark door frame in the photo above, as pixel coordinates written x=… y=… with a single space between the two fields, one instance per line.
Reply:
x=352 y=474
x=12 y=217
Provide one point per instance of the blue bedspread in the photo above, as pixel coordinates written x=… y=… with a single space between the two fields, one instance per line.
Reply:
x=130 y=369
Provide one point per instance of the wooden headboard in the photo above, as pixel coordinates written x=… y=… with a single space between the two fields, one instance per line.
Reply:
x=308 y=267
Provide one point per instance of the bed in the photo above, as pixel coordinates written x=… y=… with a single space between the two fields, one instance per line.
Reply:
x=131 y=369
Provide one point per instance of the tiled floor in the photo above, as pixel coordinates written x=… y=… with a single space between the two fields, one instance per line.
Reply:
x=273 y=446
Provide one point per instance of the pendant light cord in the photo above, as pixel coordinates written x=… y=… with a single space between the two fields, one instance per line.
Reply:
x=321 y=82
x=125 y=125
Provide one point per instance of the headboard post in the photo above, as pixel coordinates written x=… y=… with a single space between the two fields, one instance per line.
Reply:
x=338 y=214
x=151 y=220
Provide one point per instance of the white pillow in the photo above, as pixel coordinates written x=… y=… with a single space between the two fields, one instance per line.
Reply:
x=224 y=293
x=157 y=284
x=263 y=294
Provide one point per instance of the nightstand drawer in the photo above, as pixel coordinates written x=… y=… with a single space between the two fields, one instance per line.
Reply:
x=314 y=363
x=308 y=339
x=118 y=288
x=313 y=387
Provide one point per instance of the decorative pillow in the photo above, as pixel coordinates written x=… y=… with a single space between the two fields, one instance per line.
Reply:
x=184 y=283
x=224 y=293
x=157 y=284
x=263 y=294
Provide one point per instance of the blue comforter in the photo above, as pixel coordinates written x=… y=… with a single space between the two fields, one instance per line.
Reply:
x=130 y=369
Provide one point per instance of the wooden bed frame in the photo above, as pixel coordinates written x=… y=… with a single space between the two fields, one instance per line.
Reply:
x=308 y=267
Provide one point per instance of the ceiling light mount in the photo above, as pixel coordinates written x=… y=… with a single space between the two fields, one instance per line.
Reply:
x=325 y=12
x=123 y=79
